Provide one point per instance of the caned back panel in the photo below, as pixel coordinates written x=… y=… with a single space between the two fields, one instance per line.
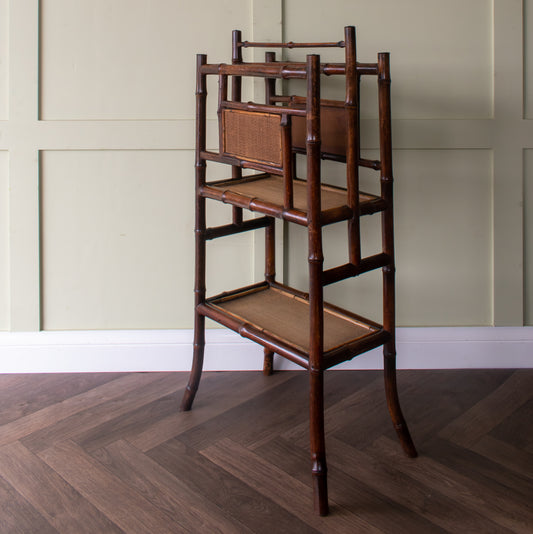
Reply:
x=252 y=136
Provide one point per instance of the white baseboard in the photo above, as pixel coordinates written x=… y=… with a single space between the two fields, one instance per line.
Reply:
x=171 y=350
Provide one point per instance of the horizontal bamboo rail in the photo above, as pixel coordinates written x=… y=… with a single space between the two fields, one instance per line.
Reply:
x=284 y=70
x=236 y=228
x=348 y=270
x=291 y=44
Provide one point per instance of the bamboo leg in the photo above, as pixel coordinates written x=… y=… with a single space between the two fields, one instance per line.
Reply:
x=268 y=363
x=318 y=443
x=393 y=402
x=200 y=238
x=197 y=364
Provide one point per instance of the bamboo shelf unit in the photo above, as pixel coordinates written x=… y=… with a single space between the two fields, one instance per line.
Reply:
x=265 y=139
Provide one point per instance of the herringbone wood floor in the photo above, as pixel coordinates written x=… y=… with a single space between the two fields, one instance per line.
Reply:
x=109 y=453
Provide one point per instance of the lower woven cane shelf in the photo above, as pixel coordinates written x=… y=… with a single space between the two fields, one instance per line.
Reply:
x=277 y=317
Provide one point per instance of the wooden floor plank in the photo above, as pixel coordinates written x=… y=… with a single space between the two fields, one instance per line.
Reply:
x=170 y=493
x=111 y=453
x=129 y=424
x=512 y=429
x=259 y=513
x=21 y=395
x=404 y=490
x=218 y=393
x=62 y=506
x=271 y=410
x=36 y=421
x=502 y=453
x=148 y=389
x=359 y=402
x=489 y=474
x=348 y=492
x=127 y=508
x=17 y=516
x=487 y=501
x=491 y=410
x=283 y=489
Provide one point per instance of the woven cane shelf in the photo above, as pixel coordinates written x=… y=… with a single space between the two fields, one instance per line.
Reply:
x=264 y=193
x=277 y=317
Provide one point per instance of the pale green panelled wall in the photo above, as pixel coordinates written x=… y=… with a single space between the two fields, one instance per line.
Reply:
x=96 y=158
x=441 y=67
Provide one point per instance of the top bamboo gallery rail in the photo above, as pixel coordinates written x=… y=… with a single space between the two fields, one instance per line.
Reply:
x=282 y=69
x=290 y=44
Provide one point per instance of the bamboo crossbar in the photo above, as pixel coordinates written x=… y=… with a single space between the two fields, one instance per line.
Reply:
x=291 y=44
x=350 y=351
x=374 y=164
x=230 y=160
x=263 y=108
x=370 y=163
x=236 y=228
x=348 y=270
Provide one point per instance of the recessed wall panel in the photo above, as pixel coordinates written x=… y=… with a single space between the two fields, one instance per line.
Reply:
x=4 y=241
x=444 y=237
x=443 y=243
x=4 y=57
x=528 y=238
x=130 y=59
x=441 y=52
x=118 y=241
x=528 y=59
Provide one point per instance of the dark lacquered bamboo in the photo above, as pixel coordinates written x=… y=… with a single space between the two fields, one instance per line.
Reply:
x=270 y=241
x=352 y=145
x=270 y=83
x=233 y=228
x=284 y=70
x=265 y=108
x=291 y=44
x=200 y=229
x=315 y=359
x=348 y=270
x=270 y=250
x=231 y=160
x=288 y=193
x=389 y=349
x=222 y=97
x=236 y=93
x=270 y=276
x=370 y=163
x=316 y=298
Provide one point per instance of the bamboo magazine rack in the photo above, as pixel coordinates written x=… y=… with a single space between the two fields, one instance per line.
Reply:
x=263 y=139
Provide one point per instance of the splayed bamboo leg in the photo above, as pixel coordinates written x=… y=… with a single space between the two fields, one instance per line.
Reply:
x=200 y=238
x=197 y=365
x=393 y=403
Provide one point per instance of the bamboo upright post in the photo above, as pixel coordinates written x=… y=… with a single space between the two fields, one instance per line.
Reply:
x=389 y=321
x=236 y=96
x=316 y=299
x=200 y=238
x=352 y=145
